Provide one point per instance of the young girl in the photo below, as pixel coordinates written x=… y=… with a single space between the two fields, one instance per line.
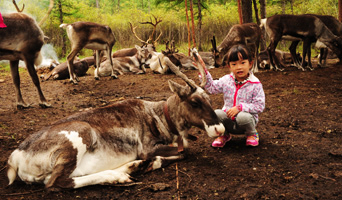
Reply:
x=244 y=97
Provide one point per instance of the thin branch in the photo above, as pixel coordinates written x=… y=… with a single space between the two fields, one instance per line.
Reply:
x=16 y=6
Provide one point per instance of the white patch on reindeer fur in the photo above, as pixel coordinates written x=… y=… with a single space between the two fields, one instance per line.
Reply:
x=77 y=143
x=214 y=130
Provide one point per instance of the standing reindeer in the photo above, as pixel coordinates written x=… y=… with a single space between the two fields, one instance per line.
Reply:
x=91 y=36
x=333 y=25
x=248 y=34
x=308 y=28
x=22 y=39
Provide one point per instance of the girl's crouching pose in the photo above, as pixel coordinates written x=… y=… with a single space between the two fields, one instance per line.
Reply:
x=244 y=97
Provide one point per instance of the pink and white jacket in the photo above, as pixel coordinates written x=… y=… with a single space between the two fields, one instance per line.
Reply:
x=249 y=95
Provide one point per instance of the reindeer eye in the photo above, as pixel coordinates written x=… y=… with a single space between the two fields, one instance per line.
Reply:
x=195 y=104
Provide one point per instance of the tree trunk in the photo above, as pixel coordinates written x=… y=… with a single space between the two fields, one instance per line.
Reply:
x=188 y=25
x=60 y=12
x=240 y=11
x=283 y=6
x=256 y=12
x=263 y=16
x=262 y=8
x=118 y=5
x=97 y=4
x=340 y=10
x=247 y=14
x=47 y=14
x=192 y=23
x=199 y=25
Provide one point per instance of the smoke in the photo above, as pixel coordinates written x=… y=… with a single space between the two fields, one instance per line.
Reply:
x=49 y=56
x=49 y=59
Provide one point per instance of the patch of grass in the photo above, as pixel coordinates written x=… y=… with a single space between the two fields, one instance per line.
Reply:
x=3 y=126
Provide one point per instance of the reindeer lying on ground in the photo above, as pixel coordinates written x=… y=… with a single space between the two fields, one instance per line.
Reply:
x=285 y=58
x=107 y=144
x=61 y=71
x=187 y=61
x=91 y=36
x=308 y=28
x=133 y=63
x=131 y=51
x=248 y=34
x=22 y=39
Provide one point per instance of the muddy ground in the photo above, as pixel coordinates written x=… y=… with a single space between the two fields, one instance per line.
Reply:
x=299 y=157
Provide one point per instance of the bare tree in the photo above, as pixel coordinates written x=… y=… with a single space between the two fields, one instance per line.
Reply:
x=262 y=8
x=199 y=25
x=192 y=23
x=247 y=14
x=61 y=21
x=240 y=11
x=47 y=14
x=188 y=25
x=340 y=10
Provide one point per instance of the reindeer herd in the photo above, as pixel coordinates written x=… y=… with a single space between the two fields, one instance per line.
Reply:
x=106 y=145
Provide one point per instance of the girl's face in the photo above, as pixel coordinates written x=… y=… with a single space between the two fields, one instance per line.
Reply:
x=240 y=68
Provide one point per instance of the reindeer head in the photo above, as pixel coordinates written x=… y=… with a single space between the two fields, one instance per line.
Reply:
x=217 y=53
x=143 y=54
x=338 y=47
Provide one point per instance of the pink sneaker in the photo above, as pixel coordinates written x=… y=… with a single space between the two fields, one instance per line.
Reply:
x=253 y=140
x=221 y=141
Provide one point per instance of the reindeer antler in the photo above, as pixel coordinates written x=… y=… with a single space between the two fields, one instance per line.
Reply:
x=173 y=47
x=200 y=65
x=16 y=6
x=135 y=34
x=154 y=28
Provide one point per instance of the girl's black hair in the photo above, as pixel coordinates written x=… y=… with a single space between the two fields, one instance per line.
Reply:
x=236 y=52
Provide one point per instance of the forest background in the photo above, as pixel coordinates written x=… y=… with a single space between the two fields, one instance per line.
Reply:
x=214 y=17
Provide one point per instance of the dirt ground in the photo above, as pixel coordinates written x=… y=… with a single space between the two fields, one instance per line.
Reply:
x=299 y=157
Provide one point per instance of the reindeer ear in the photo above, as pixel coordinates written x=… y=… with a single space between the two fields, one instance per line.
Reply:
x=137 y=47
x=182 y=91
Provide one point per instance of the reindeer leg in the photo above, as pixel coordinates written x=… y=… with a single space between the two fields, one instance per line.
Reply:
x=70 y=58
x=294 y=56
x=16 y=80
x=271 y=52
x=97 y=60
x=32 y=71
x=256 y=64
x=305 y=51
x=309 y=56
x=64 y=165
x=323 y=57
x=109 y=55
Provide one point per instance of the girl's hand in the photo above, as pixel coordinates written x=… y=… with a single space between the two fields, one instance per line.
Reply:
x=232 y=112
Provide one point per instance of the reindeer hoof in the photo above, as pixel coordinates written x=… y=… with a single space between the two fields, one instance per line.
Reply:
x=45 y=105
x=23 y=106
x=114 y=76
x=74 y=82
x=97 y=78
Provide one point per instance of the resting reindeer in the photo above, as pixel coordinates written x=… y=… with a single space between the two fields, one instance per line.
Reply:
x=133 y=63
x=285 y=58
x=131 y=51
x=107 y=144
x=308 y=28
x=61 y=72
x=91 y=36
x=22 y=39
x=248 y=34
